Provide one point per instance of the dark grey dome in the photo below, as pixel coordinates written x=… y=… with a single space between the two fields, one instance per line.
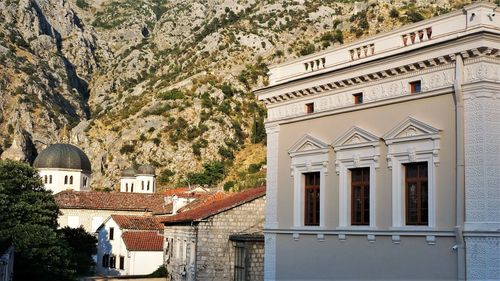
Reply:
x=146 y=169
x=130 y=172
x=63 y=156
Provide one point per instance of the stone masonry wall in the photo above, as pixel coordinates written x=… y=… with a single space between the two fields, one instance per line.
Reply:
x=179 y=249
x=254 y=263
x=215 y=260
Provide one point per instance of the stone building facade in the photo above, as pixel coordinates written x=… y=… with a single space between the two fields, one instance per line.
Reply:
x=383 y=156
x=197 y=239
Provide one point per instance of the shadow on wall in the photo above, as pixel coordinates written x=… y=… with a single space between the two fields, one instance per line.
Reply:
x=105 y=264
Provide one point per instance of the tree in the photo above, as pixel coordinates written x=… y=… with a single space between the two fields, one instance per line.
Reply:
x=28 y=216
x=82 y=246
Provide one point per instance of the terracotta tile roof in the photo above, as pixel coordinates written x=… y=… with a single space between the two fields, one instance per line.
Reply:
x=137 y=222
x=143 y=240
x=213 y=204
x=175 y=191
x=70 y=199
x=184 y=192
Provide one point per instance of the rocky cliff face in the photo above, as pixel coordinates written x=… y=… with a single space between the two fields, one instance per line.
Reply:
x=164 y=82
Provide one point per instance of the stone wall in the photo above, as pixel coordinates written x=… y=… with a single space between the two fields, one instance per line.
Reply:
x=214 y=259
x=254 y=262
x=180 y=245
x=205 y=247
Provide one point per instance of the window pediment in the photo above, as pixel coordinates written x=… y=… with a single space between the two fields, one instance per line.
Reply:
x=355 y=137
x=411 y=129
x=412 y=139
x=308 y=145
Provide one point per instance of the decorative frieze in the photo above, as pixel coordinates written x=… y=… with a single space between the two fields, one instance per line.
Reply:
x=439 y=78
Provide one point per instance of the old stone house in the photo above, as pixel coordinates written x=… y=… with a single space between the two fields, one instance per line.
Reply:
x=218 y=236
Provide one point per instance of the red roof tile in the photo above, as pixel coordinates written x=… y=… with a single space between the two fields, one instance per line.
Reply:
x=143 y=240
x=175 y=191
x=70 y=199
x=137 y=222
x=213 y=204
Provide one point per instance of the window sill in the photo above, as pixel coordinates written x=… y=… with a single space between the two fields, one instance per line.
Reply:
x=357 y=228
x=413 y=228
x=308 y=227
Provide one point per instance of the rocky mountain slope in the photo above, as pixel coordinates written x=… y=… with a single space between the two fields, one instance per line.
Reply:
x=166 y=82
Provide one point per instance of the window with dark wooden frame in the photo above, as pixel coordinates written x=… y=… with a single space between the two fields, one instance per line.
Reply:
x=111 y=233
x=415 y=87
x=240 y=262
x=122 y=262
x=112 y=261
x=416 y=193
x=105 y=260
x=360 y=196
x=310 y=107
x=358 y=98
x=311 y=216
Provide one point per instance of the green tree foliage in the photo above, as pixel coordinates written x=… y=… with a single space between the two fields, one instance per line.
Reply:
x=127 y=148
x=82 y=4
x=227 y=90
x=251 y=73
x=174 y=94
x=394 y=13
x=166 y=175
x=28 y=216
x=414 y=16
x=307 y=49
x=212 y=174
x=82 y=246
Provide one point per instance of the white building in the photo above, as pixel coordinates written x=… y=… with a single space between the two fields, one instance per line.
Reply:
x=383 y=156
x=129 y=245
x=64 y=166
x=142 y=180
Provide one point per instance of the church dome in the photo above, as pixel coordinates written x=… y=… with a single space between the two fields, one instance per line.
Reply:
x=130 y=172
x=146 y=169
x=63 y=156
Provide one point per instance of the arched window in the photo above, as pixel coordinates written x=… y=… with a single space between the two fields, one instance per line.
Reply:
x=142 y=184
x=65 y=179
x=126 y=187
x=45 y=179
x=148 y=185
x=50 y=178
x=71 y=180
x=132 y=188
x=85 y=181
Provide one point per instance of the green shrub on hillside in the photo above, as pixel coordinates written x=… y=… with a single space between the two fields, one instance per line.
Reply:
x=173 y=94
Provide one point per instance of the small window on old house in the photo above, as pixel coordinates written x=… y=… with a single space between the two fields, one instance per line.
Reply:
x=105 y=260
x=111 y=233
x=126 y=187
x=45 y=179
x=112 y=261
x=310 y=107
x=142 y=184
x=122 y=262
x=358 y=98
x=132 y=188
x=65 y=179
x=415 y=87
x=50 y=178
x=71 y=180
